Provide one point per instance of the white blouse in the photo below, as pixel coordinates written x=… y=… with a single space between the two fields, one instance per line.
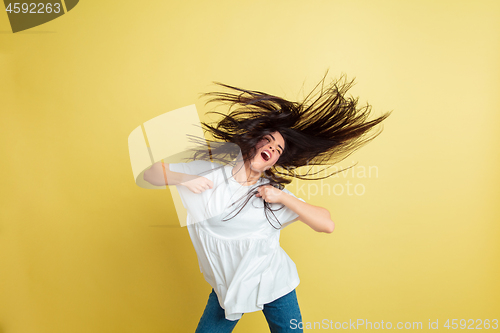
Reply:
x=240 y=257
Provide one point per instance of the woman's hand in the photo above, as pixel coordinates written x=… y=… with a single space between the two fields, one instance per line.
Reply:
x=160 y=175
x=198 y=184
x=270 y=194
x=318 y=218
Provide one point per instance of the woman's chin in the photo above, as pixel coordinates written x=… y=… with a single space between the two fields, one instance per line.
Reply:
x=257 y=167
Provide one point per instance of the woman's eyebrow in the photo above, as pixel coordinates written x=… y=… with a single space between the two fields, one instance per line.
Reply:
x=275 y=140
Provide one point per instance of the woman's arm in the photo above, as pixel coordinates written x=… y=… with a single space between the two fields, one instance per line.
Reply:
x=160 y=175
x=318 y=218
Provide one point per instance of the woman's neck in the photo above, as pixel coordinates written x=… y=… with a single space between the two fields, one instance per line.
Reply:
x=244 y=174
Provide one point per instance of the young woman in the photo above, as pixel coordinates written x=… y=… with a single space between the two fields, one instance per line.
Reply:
x=237 y=205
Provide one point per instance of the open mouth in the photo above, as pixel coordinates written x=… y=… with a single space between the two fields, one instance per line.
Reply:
x=265 y=155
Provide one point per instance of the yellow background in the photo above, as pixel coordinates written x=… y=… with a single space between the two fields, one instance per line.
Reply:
x=83 y=249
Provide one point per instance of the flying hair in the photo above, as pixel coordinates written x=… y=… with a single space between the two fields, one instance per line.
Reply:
x=323 y=129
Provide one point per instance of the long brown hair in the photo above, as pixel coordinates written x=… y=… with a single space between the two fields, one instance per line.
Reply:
x=323 y=129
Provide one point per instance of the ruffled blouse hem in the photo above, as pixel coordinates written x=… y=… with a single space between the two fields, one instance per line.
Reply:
x=235 y=312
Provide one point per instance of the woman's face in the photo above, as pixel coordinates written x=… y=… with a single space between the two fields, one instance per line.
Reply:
x=268 y=151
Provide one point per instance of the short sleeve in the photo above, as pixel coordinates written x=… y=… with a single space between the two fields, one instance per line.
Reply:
x=195 y=168
x=197 y=204
x=285 y=214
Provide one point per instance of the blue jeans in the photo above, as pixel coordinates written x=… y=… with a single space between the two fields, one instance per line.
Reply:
x=278 y=314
